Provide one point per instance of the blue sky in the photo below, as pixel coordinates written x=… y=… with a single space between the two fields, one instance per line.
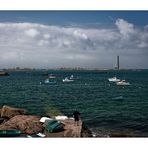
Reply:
x=77 y=17
x=89 y=39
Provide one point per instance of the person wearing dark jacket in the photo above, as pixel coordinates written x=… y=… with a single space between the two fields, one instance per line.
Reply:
x=76 y=116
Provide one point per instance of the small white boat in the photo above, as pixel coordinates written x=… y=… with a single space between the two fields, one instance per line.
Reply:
x=123 y=82
x=67 y=80
x=114 y=79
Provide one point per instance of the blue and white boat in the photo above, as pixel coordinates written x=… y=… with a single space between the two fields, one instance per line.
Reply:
x=49 y=82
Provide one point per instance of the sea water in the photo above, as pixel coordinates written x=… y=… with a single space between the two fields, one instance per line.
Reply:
x=105 y=108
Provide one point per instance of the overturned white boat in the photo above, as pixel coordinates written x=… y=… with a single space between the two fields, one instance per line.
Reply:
x=61 y=117
x=43 y=119
x=67 y=80
x=123 y=82
x=114 y=79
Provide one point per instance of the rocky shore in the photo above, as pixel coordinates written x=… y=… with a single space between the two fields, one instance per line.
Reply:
x=30 y=126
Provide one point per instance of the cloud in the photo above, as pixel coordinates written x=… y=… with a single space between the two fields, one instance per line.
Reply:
x=125 y=28
x=81 y=35
x=46 y=36
x=38 y=45
x=32 y=33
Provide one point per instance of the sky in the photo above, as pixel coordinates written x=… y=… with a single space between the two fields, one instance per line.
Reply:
x=87 y=39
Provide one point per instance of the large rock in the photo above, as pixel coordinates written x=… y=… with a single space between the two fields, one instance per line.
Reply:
x=3 y=120
x=10 y=112
x=24 y=123
x=85 y=132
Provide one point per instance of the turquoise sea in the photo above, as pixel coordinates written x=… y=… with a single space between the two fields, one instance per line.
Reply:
x=105 y=107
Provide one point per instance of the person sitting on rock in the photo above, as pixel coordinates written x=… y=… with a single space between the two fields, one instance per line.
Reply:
x=76 y=116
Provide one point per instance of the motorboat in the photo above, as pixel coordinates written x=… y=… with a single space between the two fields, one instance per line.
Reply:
x=123 y=82
x=49 y=82
x=67 y=80
x=10 y=133
x=114 y=79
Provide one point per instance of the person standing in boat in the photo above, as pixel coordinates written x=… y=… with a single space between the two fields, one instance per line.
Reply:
x=76 y=116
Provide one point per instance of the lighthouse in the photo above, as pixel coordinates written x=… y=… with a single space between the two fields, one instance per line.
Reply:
x=117 y=66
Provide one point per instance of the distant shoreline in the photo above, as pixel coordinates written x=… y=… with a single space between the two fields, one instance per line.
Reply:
x=65 y=69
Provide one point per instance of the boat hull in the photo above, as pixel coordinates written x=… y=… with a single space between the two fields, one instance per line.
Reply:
x=10 y=133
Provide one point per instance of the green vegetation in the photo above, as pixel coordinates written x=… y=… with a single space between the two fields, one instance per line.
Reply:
x=52 y=111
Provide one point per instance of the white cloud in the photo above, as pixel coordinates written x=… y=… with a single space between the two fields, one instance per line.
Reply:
x=42 y=42
x=37 y=45
x=32 y=32
x=79 y=34
x=46 y=36
x=124 y=27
